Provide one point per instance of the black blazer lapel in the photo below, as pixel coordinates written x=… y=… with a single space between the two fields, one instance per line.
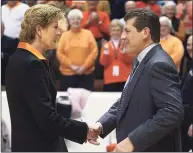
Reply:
x=124 y=102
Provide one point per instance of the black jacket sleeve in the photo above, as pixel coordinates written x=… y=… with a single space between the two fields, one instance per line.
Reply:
x=37 y=95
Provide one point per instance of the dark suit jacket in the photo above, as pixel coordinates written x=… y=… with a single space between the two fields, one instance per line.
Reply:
x=36 y=124
x=187 y=97
x=151 y=112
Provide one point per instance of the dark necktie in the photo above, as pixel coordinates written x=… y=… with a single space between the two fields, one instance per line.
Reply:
x=135 y=65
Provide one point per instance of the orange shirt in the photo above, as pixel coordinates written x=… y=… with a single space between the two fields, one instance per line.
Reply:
x=78 y=48
x=97 y=29
x=174 y=47
x=123 y=63
x=154 y=7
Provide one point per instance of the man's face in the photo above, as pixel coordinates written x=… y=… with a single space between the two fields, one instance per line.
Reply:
x=132 y=40
x=129 y=6
x=189 y=46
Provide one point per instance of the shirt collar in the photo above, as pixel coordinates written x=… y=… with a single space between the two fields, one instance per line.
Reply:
x=144 y=52
x=31 y=49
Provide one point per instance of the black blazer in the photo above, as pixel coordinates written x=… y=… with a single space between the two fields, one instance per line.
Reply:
x=151 y=111
x=36 y=124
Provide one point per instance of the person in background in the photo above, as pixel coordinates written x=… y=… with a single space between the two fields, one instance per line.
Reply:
x=188 y=20
x=149 y=4
x=31 y=2
x=103 y=6
x=117 y=66
x=171 y=44
x=78 y=42
x=98 y=23
x=8 y=46
x=51 y=56
x=36 y=123
x=129 y=5
x=169 y=10
x=12 y=16
x=187 y=97
x=5 y=138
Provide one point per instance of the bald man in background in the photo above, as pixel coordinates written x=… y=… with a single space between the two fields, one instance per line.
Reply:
x=129 y=5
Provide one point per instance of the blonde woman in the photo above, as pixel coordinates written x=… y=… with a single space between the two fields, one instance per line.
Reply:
x=37 y=126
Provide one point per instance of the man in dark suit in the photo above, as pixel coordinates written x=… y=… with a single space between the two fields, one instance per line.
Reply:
x=148 y=115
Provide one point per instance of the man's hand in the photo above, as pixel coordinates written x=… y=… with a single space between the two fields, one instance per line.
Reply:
x=190 y=131
x=94 y=131
x=74 y=67
x=80 y=70
x=124 y=146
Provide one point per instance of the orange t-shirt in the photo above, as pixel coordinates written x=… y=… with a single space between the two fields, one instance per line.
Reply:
x=174 y=47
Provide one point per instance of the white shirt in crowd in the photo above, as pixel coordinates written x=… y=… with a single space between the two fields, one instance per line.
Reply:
x=12 y=18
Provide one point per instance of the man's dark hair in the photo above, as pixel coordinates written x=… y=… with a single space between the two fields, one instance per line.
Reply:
x=145 y=18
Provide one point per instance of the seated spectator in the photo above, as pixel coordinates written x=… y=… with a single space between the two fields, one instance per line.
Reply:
x=128 y=6
x=171 y=44
x=187 y=97
x=150 y=4
x=169 y=10
x=117 y=66
x=77 y=52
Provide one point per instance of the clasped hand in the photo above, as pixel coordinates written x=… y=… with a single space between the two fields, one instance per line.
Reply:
x=93 y=133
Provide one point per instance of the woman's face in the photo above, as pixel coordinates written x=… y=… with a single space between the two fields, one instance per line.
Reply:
x=189 y=46
x=75 y=22
x=50 y=35
x=170 y=11
x=116 y=32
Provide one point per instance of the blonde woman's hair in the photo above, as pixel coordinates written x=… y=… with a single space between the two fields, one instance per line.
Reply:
x=40 y=14
x=116 y=22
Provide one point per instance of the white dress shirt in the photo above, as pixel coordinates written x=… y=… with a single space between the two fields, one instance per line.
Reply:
x=141 y=56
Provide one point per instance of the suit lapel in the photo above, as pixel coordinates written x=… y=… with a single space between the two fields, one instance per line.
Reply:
x=126 y=98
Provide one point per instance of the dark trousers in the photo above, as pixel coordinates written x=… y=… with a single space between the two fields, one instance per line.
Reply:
x=77 y=81
x=114 y=87
x=8 y=47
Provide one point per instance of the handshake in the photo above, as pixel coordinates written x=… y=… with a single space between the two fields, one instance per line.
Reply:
x=93 y=133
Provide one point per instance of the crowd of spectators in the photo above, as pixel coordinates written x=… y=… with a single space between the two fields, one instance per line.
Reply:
x=89 y=54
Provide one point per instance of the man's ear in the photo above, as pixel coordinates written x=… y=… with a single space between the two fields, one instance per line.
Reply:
x=146 y=33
